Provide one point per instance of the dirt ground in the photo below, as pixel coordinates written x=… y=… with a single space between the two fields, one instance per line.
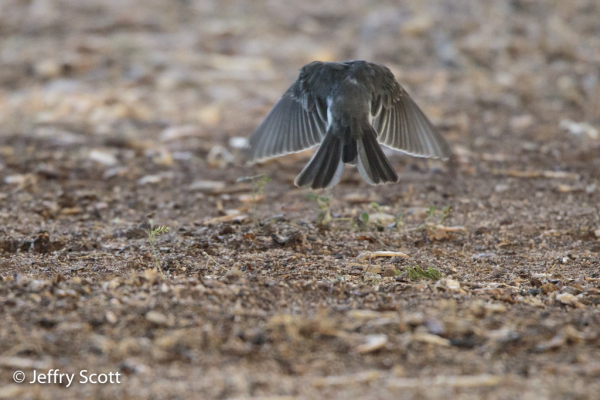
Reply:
x=117 y=117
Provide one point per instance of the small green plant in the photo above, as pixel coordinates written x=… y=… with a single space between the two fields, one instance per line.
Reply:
x=258 y=187
x=416 y=273
x=375 y=206
x=446 y=213
x=152 y=234
x=398 y=221
x=324 y=205
x=430 y=214
x=365 y=218
x=430 y=222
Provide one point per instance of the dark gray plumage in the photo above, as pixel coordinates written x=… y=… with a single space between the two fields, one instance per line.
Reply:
x=349 y=108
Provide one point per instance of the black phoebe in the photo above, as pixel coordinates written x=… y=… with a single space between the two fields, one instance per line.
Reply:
x=347 y=107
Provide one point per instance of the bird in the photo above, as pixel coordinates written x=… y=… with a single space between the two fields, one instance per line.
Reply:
x=348 y=109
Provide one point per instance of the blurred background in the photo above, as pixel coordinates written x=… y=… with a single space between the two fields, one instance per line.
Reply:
x=119 y=114
x=179 y=77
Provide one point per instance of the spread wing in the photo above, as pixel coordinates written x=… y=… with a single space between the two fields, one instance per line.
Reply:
x=298 y=120
x=401 y=124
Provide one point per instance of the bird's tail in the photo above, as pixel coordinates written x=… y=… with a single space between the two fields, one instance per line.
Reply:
x=373 y=165
x=325 y=168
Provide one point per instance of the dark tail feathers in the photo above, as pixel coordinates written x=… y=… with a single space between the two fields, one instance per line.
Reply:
x=325 y=168
x=349 y=152
x=373 y=165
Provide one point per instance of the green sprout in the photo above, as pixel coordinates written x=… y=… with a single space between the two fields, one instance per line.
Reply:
x=416 y=273
x=430 y=213
x=324 y=205
x=365 y=218
x=152 y=234
x=446 y=213
x=429 y=221
x=375 y=206
x=258 y=187
x=398 y=221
